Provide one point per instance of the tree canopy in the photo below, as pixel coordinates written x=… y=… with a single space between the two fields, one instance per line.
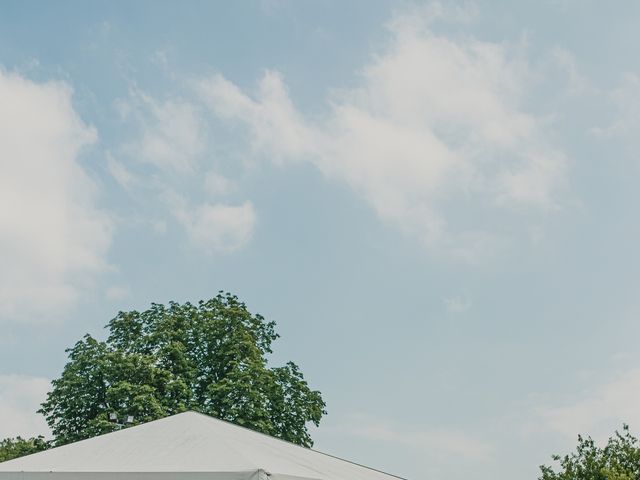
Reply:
x=210 y=357
x=619 y=459
x=11 y=448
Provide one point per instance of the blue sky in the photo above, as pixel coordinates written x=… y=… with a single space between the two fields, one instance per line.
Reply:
x=436 y=202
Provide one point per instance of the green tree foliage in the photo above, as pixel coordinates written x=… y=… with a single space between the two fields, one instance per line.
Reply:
x=618 y=460
x=210 y=357
x=18 y=447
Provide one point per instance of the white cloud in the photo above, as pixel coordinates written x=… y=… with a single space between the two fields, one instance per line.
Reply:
x=170 y=138
x=117 y=292
x=599 y=410
x=437 y=122
x=216 y=227
x=457 y=304
x=20 y=398
x=436 y=442
x=277 y=128
x=125 y=178
x=577 y=83
x=171 y=132
x=217 y=184
x=53 y=238
x=625 y=98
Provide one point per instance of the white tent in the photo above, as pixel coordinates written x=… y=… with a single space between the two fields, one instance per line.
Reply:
x=187 y=446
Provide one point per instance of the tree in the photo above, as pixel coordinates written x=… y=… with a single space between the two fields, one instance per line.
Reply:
x=210 y=357
x=618 y=460
x=18 y=447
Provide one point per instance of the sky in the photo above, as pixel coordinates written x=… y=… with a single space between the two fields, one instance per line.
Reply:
x=436 y=202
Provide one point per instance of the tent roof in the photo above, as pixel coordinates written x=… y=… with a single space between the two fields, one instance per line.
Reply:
x=190 y=443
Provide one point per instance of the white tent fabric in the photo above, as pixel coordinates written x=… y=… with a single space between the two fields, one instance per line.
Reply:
x=187 y=446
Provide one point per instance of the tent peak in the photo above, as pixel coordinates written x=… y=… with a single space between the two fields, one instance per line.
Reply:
x=193 y=444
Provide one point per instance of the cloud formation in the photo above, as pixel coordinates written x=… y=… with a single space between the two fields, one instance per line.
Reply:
x=217 y=227
x=20 y=398
x=170 y=141
x=436 y=442
x=171 y=132
x=625 y=100
x=436 y=123
x=53 y=237
x=598 y=411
